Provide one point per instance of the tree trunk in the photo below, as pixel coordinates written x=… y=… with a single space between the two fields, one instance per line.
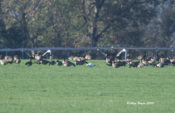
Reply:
x=3 y=32
x=25 y=29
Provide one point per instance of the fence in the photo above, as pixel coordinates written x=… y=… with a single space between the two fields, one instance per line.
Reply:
x=155 y=49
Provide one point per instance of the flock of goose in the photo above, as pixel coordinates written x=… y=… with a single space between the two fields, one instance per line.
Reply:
x=39 y=59
x=141 y=62
x=9 y=60
x=113 y=61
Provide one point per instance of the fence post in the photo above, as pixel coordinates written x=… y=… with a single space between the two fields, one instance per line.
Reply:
x=68 y=54
x=22 y=54
x=172 y=54
x=156 y=51
x=6 y=53
x=50 y=55
x=126 y=54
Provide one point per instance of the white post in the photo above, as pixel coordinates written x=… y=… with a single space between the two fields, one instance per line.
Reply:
x=126 y=54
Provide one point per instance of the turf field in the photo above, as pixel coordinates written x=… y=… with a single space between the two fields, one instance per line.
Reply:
x=82 y=89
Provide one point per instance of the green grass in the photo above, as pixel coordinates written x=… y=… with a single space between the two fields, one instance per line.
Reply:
x=81 y=89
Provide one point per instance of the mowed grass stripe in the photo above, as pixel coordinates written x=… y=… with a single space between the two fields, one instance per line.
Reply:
x=81 y=89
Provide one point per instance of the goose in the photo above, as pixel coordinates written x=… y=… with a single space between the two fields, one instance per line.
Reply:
x=108 y=61
x=3 y=62
x=164 y=61
x=82 y=58
x=145 y=62
x=52 y=63
x=167 y=61
x=68 y=63
x=114 y=64
x=29 y=63
x=71 y=58
x=121 y=53
x=141 y=57
x=122 y=63
x=9 y=59
x=44 y=62
x=172 y=61
x=160 y=65
x=38 y=61
x=75 y=58
x=133 y=64
x=140 y=65
x=59 y=63
x=152 y=61
x=81 y=62
x=38 y=57
x=16 y=59
x=118 y=63
x=88 y=57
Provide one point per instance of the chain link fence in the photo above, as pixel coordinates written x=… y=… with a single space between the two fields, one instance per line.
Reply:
x=95 y=52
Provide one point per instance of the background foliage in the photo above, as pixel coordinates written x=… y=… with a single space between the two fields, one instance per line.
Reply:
x=67 y=23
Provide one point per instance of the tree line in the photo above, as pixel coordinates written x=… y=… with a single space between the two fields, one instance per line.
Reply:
x=87 y=23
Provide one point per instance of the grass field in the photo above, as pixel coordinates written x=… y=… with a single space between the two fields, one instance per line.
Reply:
x=81 y=89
